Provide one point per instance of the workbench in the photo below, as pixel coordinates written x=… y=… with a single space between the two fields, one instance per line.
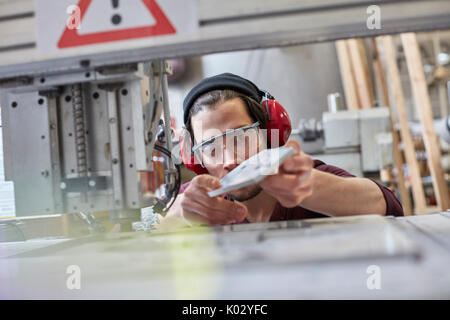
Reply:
x=326 y=258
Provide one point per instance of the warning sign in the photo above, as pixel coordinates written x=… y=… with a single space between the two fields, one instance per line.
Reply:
x=161 y=26
x=66 y=24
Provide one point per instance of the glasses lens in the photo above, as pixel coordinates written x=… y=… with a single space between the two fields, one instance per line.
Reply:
x=242 y=144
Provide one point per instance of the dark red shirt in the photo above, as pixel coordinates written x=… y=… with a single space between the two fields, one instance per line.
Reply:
x=393 y=206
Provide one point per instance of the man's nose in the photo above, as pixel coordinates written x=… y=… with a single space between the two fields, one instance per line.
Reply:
x=229 y=159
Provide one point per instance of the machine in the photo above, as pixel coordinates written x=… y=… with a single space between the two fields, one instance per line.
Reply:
x=82 y=142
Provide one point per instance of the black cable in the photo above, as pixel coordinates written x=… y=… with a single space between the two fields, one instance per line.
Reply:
x=173 y=193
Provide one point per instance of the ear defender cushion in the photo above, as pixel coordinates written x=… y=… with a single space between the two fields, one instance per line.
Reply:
x=188 y=157
x=278 y=119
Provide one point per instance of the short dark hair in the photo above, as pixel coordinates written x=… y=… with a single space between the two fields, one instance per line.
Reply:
x=213 y=98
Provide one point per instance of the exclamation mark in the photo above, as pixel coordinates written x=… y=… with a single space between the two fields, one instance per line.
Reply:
x=115 y=19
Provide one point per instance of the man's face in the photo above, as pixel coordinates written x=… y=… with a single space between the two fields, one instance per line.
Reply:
x=227 y=152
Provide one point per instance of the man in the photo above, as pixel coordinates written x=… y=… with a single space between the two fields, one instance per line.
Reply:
x=302 y=188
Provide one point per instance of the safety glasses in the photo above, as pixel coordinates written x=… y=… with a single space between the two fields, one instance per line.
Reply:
x=237 y=136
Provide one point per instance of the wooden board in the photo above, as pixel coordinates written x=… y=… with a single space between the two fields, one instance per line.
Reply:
x=379 y=75
x=423 y=105
x=360 y=72
x=398 y=162
x=351 y=96
x=395 y=86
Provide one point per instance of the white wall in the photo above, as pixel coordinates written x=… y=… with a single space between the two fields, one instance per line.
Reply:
x=299 y=77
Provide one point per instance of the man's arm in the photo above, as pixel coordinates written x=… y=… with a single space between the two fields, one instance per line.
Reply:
x=326 y=189
x=339 y=196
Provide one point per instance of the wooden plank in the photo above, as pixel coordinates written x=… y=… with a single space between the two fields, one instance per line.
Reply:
x=379 y=75
x=396 y=89
x=423 y=105
x=351 y=97
x=361 y=72
x=398 y=162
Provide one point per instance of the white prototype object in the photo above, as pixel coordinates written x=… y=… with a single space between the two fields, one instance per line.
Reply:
x=253 y=170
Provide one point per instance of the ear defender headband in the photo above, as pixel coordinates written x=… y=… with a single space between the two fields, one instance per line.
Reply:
x=276 y=116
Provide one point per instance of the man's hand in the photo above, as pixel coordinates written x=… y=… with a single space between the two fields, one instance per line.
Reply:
x=293 y=182
x=199 y=207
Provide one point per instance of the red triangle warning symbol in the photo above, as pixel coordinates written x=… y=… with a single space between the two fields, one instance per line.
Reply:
x=71 y=37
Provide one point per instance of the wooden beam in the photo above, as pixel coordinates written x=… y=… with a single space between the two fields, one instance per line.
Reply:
x=351 y=97
x=423 y=105
x=398 y=162
x=396 y=89
x=360 y=69
x=379 y=75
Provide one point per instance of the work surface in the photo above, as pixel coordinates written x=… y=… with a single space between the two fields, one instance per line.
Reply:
x=365 y=257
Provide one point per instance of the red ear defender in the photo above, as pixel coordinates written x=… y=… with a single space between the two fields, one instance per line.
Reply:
x=188 y=156
x=278 y=119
